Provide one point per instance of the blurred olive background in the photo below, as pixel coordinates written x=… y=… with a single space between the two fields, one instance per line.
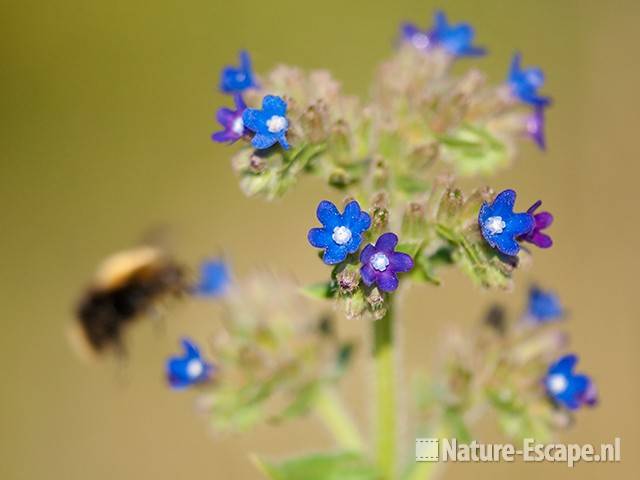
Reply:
x=107 y=108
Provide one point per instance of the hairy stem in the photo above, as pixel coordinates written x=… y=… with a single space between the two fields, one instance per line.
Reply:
x=330 y=409
x=385 y=394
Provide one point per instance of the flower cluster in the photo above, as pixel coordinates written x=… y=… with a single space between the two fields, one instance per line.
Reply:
x=269 y=125
x=340 y=237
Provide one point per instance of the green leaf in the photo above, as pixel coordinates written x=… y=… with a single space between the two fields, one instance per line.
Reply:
x=474 y=150
x=322 y=291
x=320 y=466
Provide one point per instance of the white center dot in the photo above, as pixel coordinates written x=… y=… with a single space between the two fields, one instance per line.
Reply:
x=557 y=383
x=420 y=40
x=380 y=262
x=238 y=126
x=276 y=124
x=495 y=225
x=194 y=368
x=341 y=235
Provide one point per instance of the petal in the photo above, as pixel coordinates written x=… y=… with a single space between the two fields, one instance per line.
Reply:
x=225 y=116
x=409 y=30
x=505 y=244
x=319 y=237
x=540 y=240
x=245 y=62
x=387 y=281
x=518 y=224
x=504 y=202
x=282 y=139
x=354 y=243
x=224 y=136
x=543 y=220
x=274 y=105
x=514 y=71
x=564 y=365
x=334 y=254
x=387 y=242
x=354 y=218
x=262 y=141
x=190 y=348
x=351 y=213
x=328 y=214
x=400 y=262
x=253 y=119
x=239 y=101
x=366 y=254
x=368 y=274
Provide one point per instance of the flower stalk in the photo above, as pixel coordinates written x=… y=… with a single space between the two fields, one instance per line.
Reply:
x=385 y=394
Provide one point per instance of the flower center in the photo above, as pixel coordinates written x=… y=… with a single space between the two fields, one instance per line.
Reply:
x=276 y=124
x=237 y=126
x=420 y=40
x=380 y=262
x=240 y=77
x=557 y=383
x=495 y=225
x=341 y=235
x=194 y=368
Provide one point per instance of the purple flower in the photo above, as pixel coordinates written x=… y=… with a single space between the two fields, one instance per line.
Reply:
x=535 y=126
x=381 y=264
x=341 y=234
x=542 y=221
x=231 y=121
x=238 y=79
x=501 y=226
x=189 y=368
x=270 y=124
x=567 y=388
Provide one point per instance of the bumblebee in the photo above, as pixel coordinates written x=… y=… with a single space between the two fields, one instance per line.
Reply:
x=126 y=285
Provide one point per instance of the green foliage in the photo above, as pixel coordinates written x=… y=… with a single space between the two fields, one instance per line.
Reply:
x=320 y=466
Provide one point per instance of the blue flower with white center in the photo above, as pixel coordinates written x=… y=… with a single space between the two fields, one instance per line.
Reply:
x=455 y=39
x=500 y=226
x=269 y=124
x=525 y=83
x=189 y=368
x=543 y=306
x=238 y=79
x=341 y=234
x=567 y=388
x=214 y=278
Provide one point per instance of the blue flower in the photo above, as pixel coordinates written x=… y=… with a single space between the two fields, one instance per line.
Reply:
x=381 y=263
x=188 y=369
x=231 y=121
x=500 y=226
x=238 y=79
x=341 y=234
x=525 y=83
x=455 y=39
x=214 y=278
x=543 y=306
x=269 y=124
x=566 y=388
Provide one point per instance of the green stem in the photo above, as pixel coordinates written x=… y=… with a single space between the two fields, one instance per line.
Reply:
x=385 y=417
x=331 y=411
